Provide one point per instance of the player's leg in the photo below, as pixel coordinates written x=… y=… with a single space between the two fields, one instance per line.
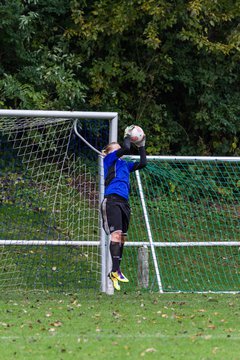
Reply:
x=112 y=223
x=121 y=276
x=123 y=240
x=125 y=224
x=115 y=255
x=115 y=249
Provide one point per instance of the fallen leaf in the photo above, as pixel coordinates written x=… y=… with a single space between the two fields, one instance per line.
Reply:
x=149 y=350
x=56 y=323
x=207 y=337
x=229 y=330
x=3 y=324
x=165 y=316
x=210 y=299
x=212 y=327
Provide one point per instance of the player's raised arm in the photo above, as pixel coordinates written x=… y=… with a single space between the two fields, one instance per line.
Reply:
x=140 y=143
x=142 y=152
x=125 y=149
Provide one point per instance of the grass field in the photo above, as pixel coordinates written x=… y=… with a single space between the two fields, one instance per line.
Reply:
x=123 y=326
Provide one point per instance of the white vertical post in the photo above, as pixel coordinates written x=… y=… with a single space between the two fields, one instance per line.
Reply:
x=113 y=136
x=159 y=282
x=103 y=243
x=113 y=130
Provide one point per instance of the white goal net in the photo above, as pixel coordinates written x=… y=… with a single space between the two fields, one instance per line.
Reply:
x=49 y=203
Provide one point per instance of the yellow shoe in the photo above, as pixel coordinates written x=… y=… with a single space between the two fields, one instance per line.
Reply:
x=119 y=276
x=114 y=281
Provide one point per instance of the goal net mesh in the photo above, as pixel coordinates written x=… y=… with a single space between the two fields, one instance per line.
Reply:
x=194 y=220
x=49 y=192
x=187 y=214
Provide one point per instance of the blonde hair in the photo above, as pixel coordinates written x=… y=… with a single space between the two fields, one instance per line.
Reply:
x=107 y=149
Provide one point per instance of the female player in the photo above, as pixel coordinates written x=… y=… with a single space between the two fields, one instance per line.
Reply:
x=115 y=206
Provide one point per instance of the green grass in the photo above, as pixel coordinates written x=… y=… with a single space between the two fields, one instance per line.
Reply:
x=124 y=326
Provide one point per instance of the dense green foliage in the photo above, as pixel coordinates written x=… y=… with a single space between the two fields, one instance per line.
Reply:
x=170 y=66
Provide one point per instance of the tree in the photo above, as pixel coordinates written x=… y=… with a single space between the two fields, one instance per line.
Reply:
x=165 y=65
x=39 y=70
x=170 y=66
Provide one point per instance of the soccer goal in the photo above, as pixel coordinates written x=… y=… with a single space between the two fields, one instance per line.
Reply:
x=51 y=181
x=184 y=234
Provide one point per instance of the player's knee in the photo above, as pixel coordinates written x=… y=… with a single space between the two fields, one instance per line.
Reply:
x=116 y=236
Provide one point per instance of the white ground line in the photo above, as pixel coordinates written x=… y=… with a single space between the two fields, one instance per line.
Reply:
x=81 y=337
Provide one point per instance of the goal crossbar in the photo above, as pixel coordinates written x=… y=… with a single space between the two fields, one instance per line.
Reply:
x=190 y=158
x=58 y=114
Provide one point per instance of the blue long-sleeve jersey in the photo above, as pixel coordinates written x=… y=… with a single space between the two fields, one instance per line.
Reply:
x=117 y=175
x=117 y=171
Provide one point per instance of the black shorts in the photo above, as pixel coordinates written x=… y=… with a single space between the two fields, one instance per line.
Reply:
x=115 y=214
